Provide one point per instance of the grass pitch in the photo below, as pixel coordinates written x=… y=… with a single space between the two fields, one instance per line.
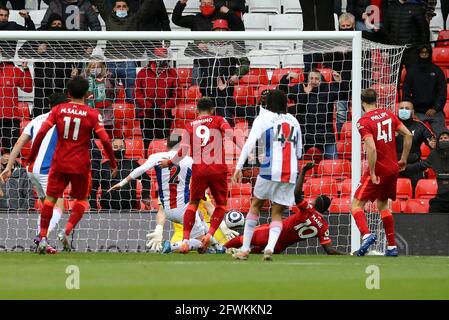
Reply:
x=193 y=276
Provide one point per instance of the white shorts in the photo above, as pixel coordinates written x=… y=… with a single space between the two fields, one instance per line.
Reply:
x=278 y=192
x=200 y=227
x=39 y=181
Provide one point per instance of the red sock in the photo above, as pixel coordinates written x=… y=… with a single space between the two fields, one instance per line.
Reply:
x=77 y=213
x=360 y=220
x=388 y=221
x=189 y=220
x=236 y=242
x=216 y=219
x=46 y=214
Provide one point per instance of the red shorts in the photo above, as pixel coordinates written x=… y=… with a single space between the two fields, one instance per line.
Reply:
x=217 y=183
x=58 y=181
x=386 y=189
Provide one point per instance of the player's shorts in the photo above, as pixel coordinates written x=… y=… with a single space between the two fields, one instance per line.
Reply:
x=176 y=215
x=58 y=181
x=368 y=191
x=217 y=184
x=278 y=192
x=39 y=181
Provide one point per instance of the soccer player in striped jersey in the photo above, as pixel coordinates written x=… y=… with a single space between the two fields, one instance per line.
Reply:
x=174 y=193
x=281 y=136
x=38 y=171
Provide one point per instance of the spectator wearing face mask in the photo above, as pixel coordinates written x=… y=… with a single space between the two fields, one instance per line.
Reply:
x=421 y=134
x=101 y=92
x=156 y=91
x=78 y=15
x=438 y=161
x=425 y=86
x=126 y=197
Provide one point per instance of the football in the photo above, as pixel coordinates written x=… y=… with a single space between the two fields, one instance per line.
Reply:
x=234 y=219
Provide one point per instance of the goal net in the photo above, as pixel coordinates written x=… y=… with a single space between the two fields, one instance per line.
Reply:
x=146 y=85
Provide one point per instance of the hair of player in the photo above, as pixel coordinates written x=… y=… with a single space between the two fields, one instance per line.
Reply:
x=77 y=87
x=4 y=8
x=322 y=203
x=205 y=104
x=173 y=141
x=369 y=96
x=277 y=101
x=57 y=98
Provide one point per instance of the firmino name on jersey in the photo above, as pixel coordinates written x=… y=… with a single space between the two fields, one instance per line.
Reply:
x=74 y=112
x=379 y=116
x=201 y=121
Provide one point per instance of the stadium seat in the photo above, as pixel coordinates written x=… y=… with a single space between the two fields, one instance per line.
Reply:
x=237 y=190
x=244 y=95
x=290 y=6
x=416 y=206
x=134 y=148
x=264 y=6
x=255 y=77
x=22 y=110
x=443 y=35
x=193 y=94
x=123 y=120
x=323 y=185
x=267 y=59
x=184 y=76
x=291 y=59
x=430 y=173
x=313 y=154
x=336 y=168
x=440 y=56
x=340 y=205
x=185 y=111
x=425 y=151
x=242 y=204
x=157 y=145
x=311 y=173
x=404 y=188
x=426 y=189
x=344 y=150
x=286 y=22
x=326 y=73
x=396 y=206
x=256 y=22
x=280 y=72
x=385 y=93
x=345 y=188
x=346 y=131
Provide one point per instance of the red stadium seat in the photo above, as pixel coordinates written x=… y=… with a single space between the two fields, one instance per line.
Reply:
x=417 y=206
x=134 y=148
x=185 y=111
x=255 y=77
x=124 y=117
x=180 y=123
x=346 y=131
x=244 y=95
x=193 y=94
x=345 y=188
x=312 y=172
x=242 y=204
x=431 y=174
x=184 y=76
x=340 y=205
x=324 y=185
x=22 y=110
x=344 y=150
x=237 y=190
x=404 y=188
x=326 y=73
x=280 y=72
x=425 y=151
x=337 y=168
x=446 y=110
x=440 y=56
x=426 y=189
x=396 y=206
x=384 y=93
x=157 y=145
x=443 y=35
x=313 y=154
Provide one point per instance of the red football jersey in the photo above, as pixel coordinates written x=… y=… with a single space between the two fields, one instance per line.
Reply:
x=74 y=124
x=206 y=137
x=382 y=125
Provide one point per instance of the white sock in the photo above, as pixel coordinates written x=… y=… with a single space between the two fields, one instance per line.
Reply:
x=275 y=232
x=250 y=224
x=57 y=214
x=391 y=247
x=366 y=236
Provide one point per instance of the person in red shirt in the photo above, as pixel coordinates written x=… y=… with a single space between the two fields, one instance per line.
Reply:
x=377 y=128
x=205 y=138
x=156 y=90
x=75 y=123
x=11 y=79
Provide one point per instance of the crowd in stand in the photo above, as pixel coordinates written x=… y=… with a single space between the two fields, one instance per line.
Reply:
x=154 y=90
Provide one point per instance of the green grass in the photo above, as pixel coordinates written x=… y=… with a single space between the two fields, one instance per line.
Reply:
x=193 y=276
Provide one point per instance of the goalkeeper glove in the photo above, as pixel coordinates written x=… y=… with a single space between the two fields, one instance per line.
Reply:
x=228 y=233
x=155 y=238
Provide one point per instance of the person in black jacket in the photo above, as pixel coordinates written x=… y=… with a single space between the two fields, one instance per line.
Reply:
x=425 y=86
x=421 y=134
x=314 y=109
x=15 y=5
x=8 y=48
x=126 y=197
x=438 y=160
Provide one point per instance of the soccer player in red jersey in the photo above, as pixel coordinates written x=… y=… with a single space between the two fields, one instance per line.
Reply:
x=71 y=163
x=306 y=222
x=205 y=138
x=378 y=128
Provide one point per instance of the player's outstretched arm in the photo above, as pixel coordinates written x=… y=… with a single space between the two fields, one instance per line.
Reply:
x=408 y=139
x=299 y=183
x=23 y=139
x=332 y=251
